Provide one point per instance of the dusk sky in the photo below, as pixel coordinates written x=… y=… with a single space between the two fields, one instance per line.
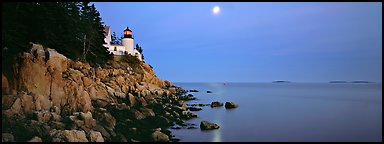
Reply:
x=254 y=42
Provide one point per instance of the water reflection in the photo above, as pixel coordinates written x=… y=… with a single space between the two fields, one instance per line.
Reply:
x=217 y=133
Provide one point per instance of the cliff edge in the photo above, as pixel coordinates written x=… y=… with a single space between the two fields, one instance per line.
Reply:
x=52 y=98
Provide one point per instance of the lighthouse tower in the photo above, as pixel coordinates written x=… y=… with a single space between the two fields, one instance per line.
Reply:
x=127 y=41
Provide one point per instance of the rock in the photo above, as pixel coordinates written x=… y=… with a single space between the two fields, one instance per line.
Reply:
x=87 y=82
x=103 y=132
x=209 y=91
x=158 y=136
x=216 y=104
x=147 y=112
x=37 y=51
x=168 y=83
x=175 y=127
x=89 y=122
x=201 y=105
x=131 y=99
x=193 y=90
x=229 y=105
x=95 y=136
x=194 y=108
x=138 y=115
x=7 y=137
x=35 y=139
x=105 y=119
x=43 y=116
x=68 y=136
x=120 y=95
x=8 y=101
x=5 y=85
x=206 y=125
x=188 y=115
x=142 y=101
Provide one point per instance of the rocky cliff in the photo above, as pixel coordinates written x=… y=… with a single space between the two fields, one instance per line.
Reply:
x=49 y=97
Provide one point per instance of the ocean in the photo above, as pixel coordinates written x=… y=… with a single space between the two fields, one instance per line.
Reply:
x=288 y=112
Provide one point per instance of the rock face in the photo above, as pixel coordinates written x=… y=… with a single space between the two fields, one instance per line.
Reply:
x=55 y=99
x=206 y=125
x=230 y=105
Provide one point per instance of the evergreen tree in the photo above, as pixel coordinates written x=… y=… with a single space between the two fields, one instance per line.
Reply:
x=74 y=29
x=114 y=40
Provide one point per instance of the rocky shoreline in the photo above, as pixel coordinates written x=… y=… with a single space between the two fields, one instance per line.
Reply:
x=51 y=98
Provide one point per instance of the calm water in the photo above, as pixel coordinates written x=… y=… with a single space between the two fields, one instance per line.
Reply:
x=288 y=112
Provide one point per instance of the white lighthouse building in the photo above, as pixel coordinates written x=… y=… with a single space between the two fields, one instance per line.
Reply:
x=127 y=47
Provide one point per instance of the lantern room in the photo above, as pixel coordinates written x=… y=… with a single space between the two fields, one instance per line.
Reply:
x=128 y=33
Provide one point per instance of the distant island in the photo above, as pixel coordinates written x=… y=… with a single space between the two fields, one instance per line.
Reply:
x=281 y=81
x=338 y=82
x=359 y=81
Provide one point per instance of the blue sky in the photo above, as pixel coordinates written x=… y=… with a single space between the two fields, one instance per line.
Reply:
x=254 y=42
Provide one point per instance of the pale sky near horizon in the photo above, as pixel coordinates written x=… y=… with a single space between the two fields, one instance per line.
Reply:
x=254 y=42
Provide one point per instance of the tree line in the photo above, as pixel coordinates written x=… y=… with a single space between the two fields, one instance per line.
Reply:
x=74 y=29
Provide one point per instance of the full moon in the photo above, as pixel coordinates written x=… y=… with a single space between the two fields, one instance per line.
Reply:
x=216 y=9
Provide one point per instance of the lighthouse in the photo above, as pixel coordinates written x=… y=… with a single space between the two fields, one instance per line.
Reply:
x=126 y=47
x=127 y=41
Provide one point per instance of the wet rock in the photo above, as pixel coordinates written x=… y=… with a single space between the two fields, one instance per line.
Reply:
x=216 y=104
x=206 y=125
x=194 y=109
x=175 y=127
x=188 y=115
x=193 y=90
x=201 y=105
x=230 y=105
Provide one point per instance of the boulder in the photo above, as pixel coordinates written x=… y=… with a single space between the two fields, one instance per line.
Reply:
x=89 y=122
x=230 y=105
x=193 y=90
x=158 y=136
x=216 y=104
x=194 y=109
x=43 y=116
x=147 y=112
x=206 y=125
x=131 y=99
x=95 y=136
x=68 y=136
x=7 y=137
x=35 y=139
x=138 y=115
